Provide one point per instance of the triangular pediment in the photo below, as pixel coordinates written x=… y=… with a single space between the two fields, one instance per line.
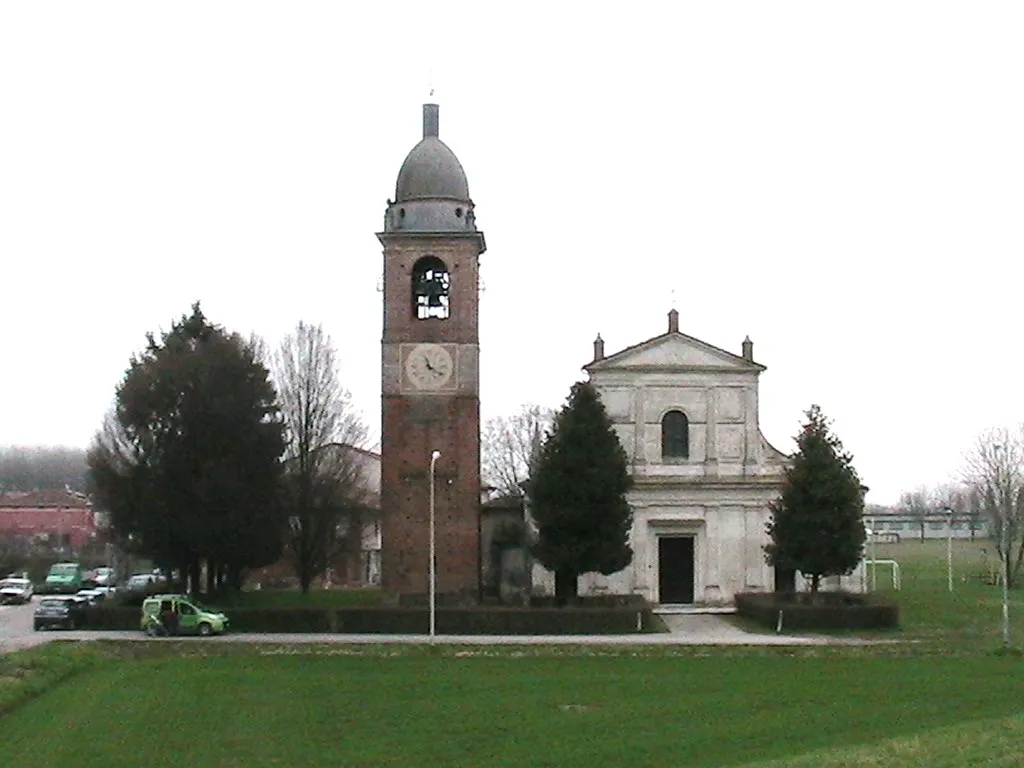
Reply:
x=673 y=351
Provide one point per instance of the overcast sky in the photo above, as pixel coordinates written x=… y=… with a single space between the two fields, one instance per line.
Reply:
x=840 y=181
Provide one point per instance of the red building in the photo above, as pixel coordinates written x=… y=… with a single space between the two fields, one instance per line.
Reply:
x=63 y=518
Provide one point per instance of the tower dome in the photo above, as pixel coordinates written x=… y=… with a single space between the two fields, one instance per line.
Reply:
x=431 y=169
x=432 y=193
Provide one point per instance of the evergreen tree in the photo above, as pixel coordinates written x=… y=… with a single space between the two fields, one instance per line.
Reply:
x=817 y=524
x=578 y=494
x=188 y=464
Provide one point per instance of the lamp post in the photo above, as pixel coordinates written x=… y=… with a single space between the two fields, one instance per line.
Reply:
x=433 y=569
x=949 y=547
x=871 y=553
x=1003 y=517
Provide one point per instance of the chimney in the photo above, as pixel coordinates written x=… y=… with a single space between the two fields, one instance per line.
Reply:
x=748 y=350
x=430 y=120
x=598 y=348
x=673 y=321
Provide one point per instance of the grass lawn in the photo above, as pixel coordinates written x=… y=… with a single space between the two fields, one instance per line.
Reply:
x=943 y=698
x=969 y=617
x=408 y=707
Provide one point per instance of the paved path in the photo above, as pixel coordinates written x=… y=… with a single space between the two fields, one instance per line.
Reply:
x=685 y=629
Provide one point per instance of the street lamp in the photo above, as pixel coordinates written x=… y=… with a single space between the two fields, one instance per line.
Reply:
x=433 y=569
x=1003 y=518
x=949 y=547
x=871 y=553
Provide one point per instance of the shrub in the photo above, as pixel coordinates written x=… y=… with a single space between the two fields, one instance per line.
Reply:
x=273 y=620
x=829 y=610
x=591 y=601
x=113 y=617
x=477 y=620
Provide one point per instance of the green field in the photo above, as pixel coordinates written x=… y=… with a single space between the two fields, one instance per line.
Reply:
x=943 y=695
x=969 y=617
x=412 y=708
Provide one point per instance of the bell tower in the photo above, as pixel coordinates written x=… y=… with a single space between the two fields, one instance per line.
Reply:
x=430 y=374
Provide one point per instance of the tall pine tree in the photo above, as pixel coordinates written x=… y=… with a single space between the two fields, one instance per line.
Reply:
x=578 y=494
x=817 y=524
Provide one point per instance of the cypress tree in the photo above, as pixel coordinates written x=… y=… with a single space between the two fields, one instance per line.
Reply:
x=817 y=524
x=578 y=494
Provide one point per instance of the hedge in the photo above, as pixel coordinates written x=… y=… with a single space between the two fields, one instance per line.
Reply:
x=477 y=620
x=833 y=610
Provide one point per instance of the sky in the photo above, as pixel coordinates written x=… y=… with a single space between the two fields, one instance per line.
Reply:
x=842 y=182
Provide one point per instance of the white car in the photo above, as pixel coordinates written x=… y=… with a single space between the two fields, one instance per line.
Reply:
x=15 y=591
x=104 y=576
x=142 y=582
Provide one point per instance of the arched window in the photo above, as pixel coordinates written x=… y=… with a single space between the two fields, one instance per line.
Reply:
x=430 y=286
x=675 y=436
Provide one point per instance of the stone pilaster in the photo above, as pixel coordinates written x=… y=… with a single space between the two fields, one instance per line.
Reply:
x=639 y=426
x=752 y=441
x=711 y=431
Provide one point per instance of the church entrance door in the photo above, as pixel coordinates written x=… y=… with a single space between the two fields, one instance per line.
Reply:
x=675 y=569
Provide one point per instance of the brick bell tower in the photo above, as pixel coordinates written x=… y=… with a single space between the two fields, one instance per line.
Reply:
x=430 y=374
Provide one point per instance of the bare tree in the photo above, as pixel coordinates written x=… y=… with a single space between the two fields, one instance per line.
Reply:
x=509 y=444
x=325 y=483
x=995 y=470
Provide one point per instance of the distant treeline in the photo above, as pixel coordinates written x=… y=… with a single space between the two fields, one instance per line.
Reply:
x=32 y=468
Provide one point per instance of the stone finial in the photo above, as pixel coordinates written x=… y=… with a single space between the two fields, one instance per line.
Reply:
x=430 y=120
x=673 y=321
x=598 y=348
x=748 y=350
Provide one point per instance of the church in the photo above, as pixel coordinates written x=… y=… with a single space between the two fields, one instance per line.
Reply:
x=686 y=413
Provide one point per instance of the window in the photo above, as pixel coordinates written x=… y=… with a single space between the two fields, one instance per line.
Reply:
x=430 y=286
x=675 y=436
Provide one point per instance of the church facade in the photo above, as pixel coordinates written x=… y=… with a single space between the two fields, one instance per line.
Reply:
x=686 y=413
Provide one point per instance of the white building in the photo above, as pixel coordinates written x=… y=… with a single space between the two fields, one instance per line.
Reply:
x=686 y=413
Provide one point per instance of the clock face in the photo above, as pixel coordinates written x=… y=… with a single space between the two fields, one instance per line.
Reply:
x=429 y=366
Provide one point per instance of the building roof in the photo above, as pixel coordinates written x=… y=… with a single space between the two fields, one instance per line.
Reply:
x=45 y=499
x=726 y=359
x=674 y=350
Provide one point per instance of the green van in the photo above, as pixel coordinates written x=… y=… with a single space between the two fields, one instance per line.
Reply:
x=180 y=615
x=64 y=578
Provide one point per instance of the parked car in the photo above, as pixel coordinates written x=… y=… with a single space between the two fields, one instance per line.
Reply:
x=59 y=612
x=142 y=582
x=64 y=578
x=15 y=591
x=93 y=597
x=103 y=576
x=180 y=615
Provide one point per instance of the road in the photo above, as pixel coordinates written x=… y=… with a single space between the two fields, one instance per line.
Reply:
x=686 y=629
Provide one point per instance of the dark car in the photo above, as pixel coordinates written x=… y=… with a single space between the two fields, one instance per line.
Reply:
x=60 y=613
